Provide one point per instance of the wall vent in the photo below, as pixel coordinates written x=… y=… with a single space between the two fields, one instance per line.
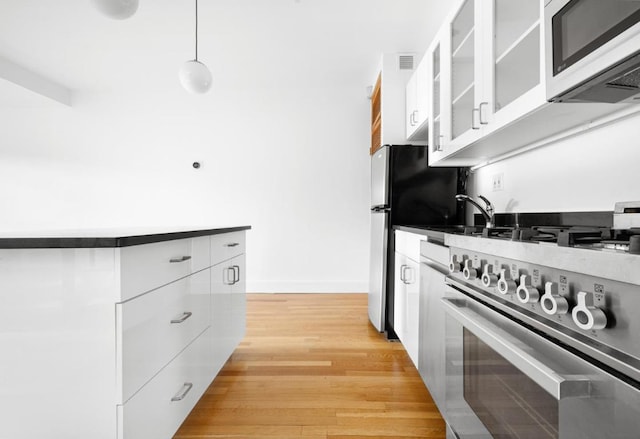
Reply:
x=405 y=62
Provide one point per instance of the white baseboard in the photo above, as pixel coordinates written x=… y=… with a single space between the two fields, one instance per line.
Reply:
x=306 y=287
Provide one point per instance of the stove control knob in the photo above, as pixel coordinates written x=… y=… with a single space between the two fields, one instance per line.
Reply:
x=586 y=315
x=455 y=266
x=506 y=285
x=468 y=271
x=525 y=292
x=552 y=302
x=489 y=279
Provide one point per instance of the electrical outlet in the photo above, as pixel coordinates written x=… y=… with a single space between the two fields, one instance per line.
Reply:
x=498 y=182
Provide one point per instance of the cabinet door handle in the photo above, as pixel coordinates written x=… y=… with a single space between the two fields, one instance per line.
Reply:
x=185 y=316
x=402 y=271
x=473 y=119
x=228 y=280
x=403 y=275
x=232 y=244
x=439 y=142
x=183 y=392
x=236 y=274
x=480 y=112
x=226 y=277
x=409 y=280
x=180 y=259
x=415 y=117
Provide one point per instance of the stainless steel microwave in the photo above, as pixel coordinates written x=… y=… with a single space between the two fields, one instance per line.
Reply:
x=592 y=50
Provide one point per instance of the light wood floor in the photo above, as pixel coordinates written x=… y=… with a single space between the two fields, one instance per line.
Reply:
x=312 y=367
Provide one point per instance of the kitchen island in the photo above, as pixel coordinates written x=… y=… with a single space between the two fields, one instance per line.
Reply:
x=115 y=333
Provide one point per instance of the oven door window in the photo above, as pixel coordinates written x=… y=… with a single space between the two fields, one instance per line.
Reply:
x=582 y=26
x=508 y=403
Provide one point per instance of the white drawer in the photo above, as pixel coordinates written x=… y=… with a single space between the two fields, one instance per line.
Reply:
x=159 y=408
x=226 y=246
x=408 y=244
x=156 y=326
x=149 y=266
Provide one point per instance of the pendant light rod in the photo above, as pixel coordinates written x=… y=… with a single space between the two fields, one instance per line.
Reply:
x=196 y=30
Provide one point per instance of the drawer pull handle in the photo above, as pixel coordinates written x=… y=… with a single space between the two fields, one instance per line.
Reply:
x=232 y=244
x=185 y=316
x=186 y=388
x=181 y=259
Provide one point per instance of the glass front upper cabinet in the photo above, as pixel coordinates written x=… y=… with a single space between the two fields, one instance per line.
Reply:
x=463 y=77
x=516 y=60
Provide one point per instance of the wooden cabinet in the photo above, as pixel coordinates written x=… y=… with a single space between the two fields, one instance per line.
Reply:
x=406 y=291
x=116 y=342
x=417 y=102
x=376 y=116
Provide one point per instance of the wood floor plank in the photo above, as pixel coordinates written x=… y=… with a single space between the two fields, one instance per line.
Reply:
x=313 y=367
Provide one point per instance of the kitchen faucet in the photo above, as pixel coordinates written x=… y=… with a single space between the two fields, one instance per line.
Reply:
x=487 y=212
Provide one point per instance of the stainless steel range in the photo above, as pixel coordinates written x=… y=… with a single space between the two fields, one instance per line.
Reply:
x=543 y=332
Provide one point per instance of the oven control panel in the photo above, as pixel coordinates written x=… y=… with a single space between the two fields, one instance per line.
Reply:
x=601 y=309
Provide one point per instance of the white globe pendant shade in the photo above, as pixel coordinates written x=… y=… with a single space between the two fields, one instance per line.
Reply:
x=195 y=77
x=117 y=9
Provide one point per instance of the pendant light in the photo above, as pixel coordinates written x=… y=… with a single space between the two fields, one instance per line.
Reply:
x=117 y=9
x=194 y=75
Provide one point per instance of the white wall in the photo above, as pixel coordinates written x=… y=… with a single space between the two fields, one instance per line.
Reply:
x=292 y=163
x=586 y=172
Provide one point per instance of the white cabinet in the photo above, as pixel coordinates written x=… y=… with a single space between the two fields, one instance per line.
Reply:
x=406 y=291
x=465 y=75
x=115 y=342
x=490 y=74
x=388 y=100
x=155 y=327
x=438 y=124
x=159 y=408
x=417 y=102
x=433 y=269
x=228 y=305
x=488 y=87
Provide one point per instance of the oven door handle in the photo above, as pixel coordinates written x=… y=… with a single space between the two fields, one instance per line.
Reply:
x=515 y=351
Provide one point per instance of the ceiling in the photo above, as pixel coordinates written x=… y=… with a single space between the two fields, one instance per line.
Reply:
x=245 y=43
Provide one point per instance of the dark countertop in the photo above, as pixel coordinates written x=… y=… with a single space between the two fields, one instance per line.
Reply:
x=104 y=238
x=527 y=219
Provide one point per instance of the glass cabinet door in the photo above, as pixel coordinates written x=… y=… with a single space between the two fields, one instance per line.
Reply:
x=516 y=51
x=463 y=67
x=436 y=93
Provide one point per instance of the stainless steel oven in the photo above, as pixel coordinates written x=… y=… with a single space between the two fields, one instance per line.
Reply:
x=592 y=50
x=541 y=341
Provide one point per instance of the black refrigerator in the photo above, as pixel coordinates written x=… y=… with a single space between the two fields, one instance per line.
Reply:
x=405 y=191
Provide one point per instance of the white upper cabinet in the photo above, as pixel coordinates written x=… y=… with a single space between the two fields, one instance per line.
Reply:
x=417 y=102
x=514 y=84
x=438 y=124
x=487 y=85
x=490 y=71
x=465 y=75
